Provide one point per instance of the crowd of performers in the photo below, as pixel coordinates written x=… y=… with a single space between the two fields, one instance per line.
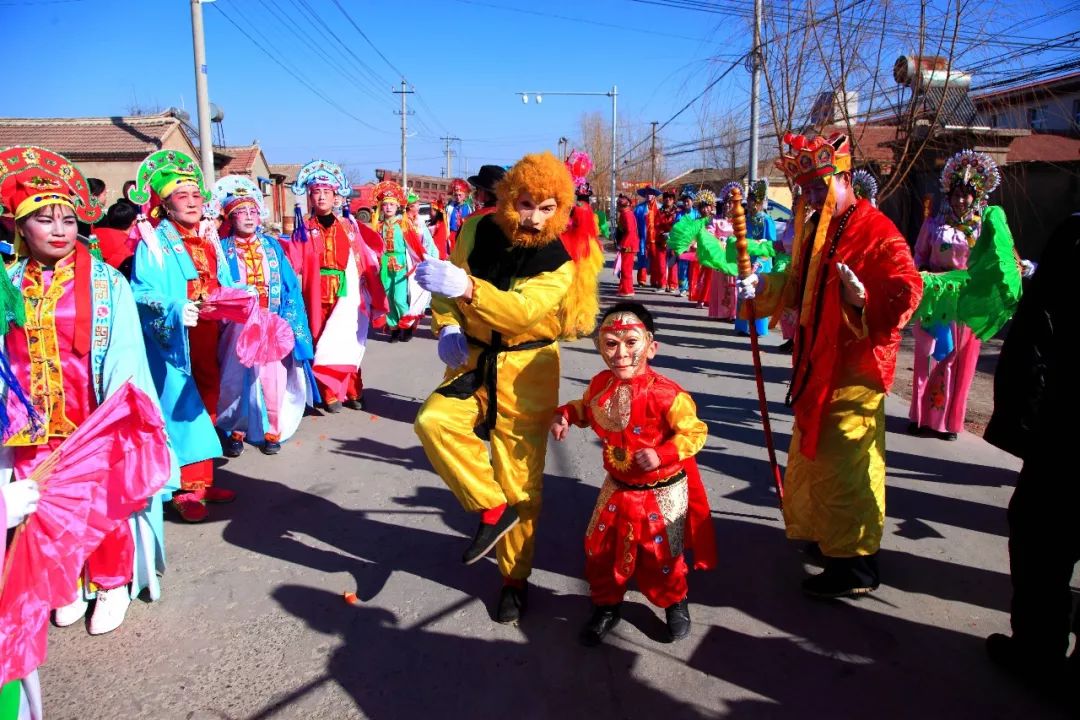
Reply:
x=221 y=335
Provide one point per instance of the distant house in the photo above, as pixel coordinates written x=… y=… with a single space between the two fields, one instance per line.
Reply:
x=428 y=188
x=110 y=148
x=1050 y=106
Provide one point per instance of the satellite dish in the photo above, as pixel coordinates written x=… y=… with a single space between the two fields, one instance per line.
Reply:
x=216 y=113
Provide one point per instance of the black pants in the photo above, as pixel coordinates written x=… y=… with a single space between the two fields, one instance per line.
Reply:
x=1044 y=545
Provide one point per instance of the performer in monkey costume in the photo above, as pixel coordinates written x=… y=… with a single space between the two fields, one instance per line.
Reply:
x=517 y=282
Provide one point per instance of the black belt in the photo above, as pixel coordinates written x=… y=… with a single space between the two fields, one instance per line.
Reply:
x=485 y=375
x=681 y=475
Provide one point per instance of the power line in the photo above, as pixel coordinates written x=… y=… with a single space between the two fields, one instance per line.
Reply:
x=314 y=90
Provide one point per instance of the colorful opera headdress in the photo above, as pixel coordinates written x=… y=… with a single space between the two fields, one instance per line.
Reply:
x=758 y=190
x=864 y=185
x=580 y=165
x=725 y=191
x=812 y=158
x=975 y=170
x=705 y=197
x=321 y=173
x=235 y=191
x=389 y=190
x=33 y=178
x=459 y=184
x=164 y=171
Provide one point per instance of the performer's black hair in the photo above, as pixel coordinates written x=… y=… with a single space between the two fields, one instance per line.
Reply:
x=631 y=307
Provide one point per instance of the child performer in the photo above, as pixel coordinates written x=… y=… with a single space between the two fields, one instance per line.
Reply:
x=652 y=504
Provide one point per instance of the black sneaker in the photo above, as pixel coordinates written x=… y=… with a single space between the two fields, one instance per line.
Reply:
x=395 y=335
x=271 y=447
x=604 y=618
x=355 y=404
x=1039 y=670
x=332 y=408
x=786 y=347
x=678 y=620
x=406 y=335
x=947 y=436
x=512 y=604
x=232 y=447
x=488 y=535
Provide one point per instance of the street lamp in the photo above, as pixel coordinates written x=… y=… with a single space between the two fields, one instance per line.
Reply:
x=613 y=93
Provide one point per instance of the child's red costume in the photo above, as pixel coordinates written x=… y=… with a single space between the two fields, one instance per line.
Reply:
x=643 y=521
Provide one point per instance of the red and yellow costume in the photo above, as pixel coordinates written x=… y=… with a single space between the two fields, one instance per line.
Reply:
x=844 y=359
x=644 y=520
x=627 y=238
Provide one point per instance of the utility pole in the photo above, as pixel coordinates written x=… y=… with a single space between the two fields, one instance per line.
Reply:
x=403 y=113
x=202 y=93
x=652 y=154
x=449 y=152
x=755 y=91
x=613 y=219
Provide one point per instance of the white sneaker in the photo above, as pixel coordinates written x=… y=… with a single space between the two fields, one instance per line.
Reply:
x=71 y=614
x=110 y=609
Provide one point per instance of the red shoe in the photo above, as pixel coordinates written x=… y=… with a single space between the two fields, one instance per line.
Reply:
x=189 y=507
x=218 y=495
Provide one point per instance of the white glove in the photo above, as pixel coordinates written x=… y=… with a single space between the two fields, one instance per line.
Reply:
x=442 y=277
x=20 y=499
x=746 y=288
x=252 y=291
x=854 y=290
x=189 y=315
x=1027 y=268
x=453 y=346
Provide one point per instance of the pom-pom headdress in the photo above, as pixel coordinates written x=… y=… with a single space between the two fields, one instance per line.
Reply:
x=974 y=170
x=459 y=184
x=580 y=165
x=864 y=185
x=33 y=177
x=812 y=158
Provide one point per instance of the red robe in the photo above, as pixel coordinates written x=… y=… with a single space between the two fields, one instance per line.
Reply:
x=835 y=345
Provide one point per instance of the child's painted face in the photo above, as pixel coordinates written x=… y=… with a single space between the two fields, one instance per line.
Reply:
x=625 y=345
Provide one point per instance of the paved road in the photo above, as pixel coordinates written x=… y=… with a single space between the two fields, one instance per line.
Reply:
x=252 y=622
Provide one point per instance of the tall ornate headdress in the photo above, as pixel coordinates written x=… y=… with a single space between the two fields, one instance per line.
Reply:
x=705 y=197
x=726 y=191
x=975 y=170
x=236 y=191
x=164 y=171
x=33 y=177
x=864 y=185
x=321 y=173
x=812 y=158
x=389 y=190
x=758 y=190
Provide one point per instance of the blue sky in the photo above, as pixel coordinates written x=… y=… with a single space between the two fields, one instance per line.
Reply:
x=464 y=58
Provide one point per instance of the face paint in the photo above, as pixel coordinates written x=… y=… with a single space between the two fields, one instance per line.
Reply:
x=625 y=344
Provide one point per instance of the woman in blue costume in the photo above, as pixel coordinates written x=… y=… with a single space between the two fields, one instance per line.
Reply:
x=177 y=266
x=266 y=402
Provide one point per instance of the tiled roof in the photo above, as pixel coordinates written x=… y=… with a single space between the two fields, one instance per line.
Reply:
x=242 y=159
x=87 y=138
x=289 y=170
x=1045 y=147
x=870 y=143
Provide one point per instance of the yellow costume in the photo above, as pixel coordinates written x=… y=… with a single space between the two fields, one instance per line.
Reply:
x=844 y=358
x=513 y=321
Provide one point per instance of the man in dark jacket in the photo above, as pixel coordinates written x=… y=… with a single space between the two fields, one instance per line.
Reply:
x=1036 y=396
